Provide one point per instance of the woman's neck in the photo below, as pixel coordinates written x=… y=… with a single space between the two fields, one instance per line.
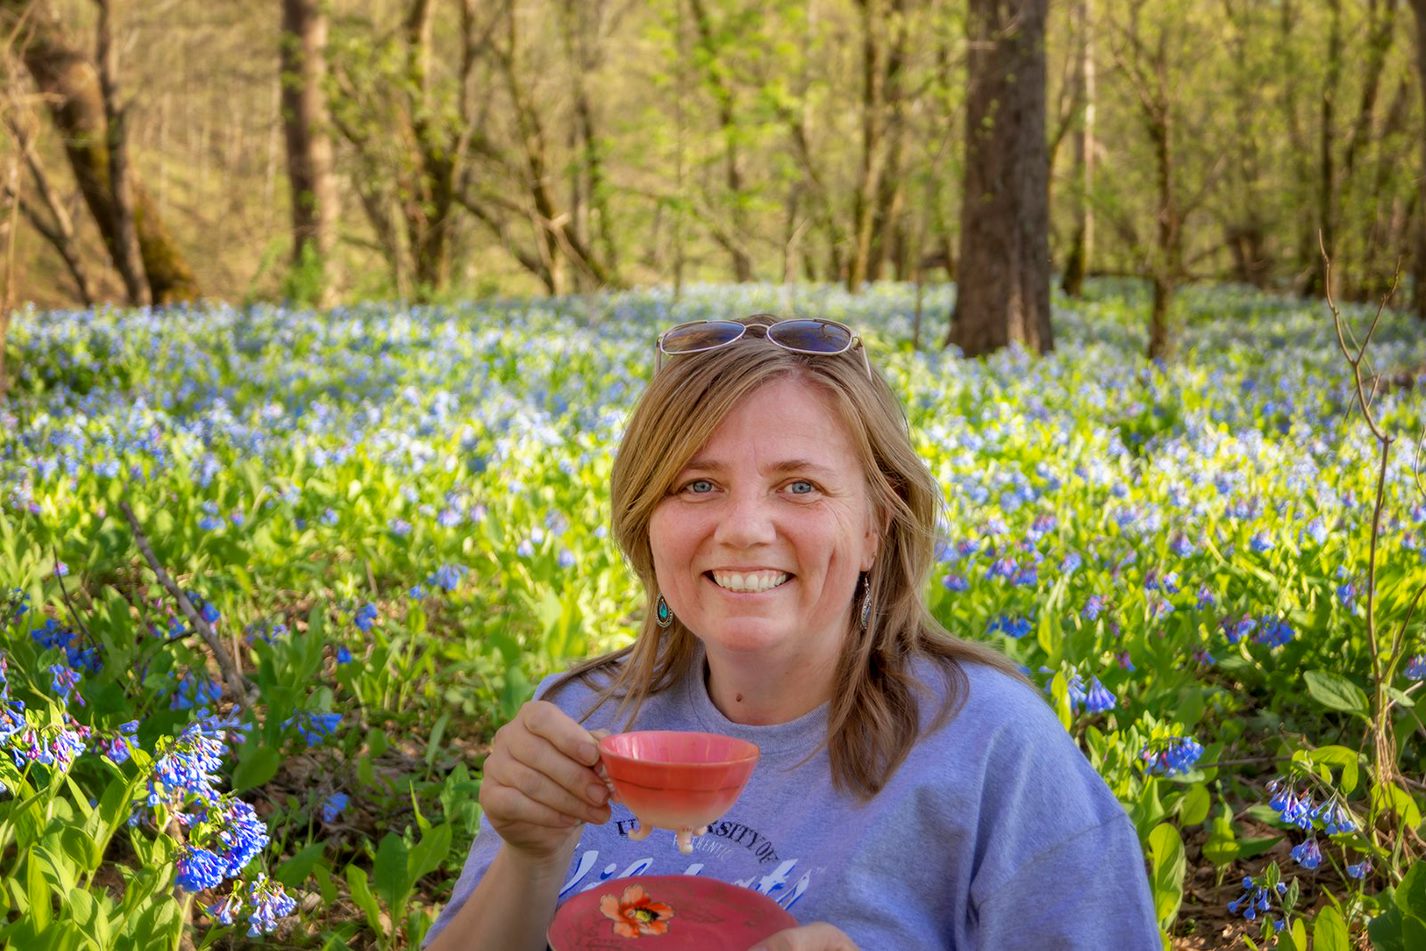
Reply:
x=756 y=691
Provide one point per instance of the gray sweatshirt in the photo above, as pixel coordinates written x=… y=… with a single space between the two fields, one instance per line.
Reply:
x=994 y=833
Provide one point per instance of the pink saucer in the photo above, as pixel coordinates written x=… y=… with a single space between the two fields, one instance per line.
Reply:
x=671 y=912
x=677 y=780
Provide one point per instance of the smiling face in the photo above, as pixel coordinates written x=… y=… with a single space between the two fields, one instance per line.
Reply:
x=759 y=543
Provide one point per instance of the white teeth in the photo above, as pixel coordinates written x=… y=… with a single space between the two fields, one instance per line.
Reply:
x=752 y=581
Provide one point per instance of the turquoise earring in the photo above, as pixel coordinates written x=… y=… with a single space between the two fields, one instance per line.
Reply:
x=663 y=614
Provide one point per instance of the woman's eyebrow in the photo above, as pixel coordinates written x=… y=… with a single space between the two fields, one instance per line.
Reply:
x=779 y=468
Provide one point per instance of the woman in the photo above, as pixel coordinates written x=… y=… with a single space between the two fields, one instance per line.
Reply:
x=913 y=790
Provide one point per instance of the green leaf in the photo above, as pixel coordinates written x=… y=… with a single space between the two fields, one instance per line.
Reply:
x=361 y=894
x=389 y=874
x=1329 y=931
x=1336 y=692
x=1410 y=895
x=295 y=870
x=1167 y=863
x=429 y=853
x=1193 y=807
x=1399 y=801
x=256 y=766
x=1343 y=757
x=1222 y=845
x=38 y=892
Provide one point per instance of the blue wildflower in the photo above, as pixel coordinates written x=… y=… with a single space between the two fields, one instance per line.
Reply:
x=955 y=582
x=268 y=902
x=417 y=592
x=1094 y=605
x=1002 y=568
x=1347 y=595
x=334 y=806
x=400 y=527
x=1071 y=563
x=1239 y=629
x=119 y=747
x=1016 y=627
x=447 y=577
x=314 y=727
x=365 y=617
x=1275 y=632
x=1171 y=756
x=566 y=559
x=1359 y=870
x=1316 y=530
x=1181 y=546
x=1257 y=899
x=63 y=681
x=61 y=569
x=1308 y=854
x=1416 y=668
x=1098 y=698
x=15 y=606
x=195 y=692
x=1206 y=598
x=198 y=869
x=344 y=654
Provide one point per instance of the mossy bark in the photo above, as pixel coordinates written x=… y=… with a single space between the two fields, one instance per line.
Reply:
x=68 y=79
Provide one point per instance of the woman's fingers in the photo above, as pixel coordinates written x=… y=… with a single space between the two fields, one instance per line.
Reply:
x=540 y=772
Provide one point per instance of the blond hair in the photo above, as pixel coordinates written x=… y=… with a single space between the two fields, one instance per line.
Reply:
x=875 y=716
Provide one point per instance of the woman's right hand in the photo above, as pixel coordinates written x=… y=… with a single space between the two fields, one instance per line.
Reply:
x=540 y=784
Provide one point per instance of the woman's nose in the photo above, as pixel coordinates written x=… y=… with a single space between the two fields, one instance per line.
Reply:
x=746 y=522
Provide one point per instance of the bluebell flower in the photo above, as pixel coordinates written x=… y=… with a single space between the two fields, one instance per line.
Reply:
x=400 y=527
x=314 y=727
x=344 y=654
x=1172 y=756
x=239 y=831
x=195 y=692
x=330 y=517
x=52 y=634
x=198 y=869
x=566 y=559
x=1308 y=854
x=447 y=577
x=365 y=617
x=417 y=592
x=1257 y=900
x=1291 y=808
x=449 y=517
x=1359 y=870
x=188 y=764
x=955 y=582
x=1239 y=629
x=1098 y=698
x=1026 y=577
x=1016 y=627
x=61 y=569
x=15 y=606
x=1316 y=530
x=335 y=804
x=1275 y=632
x=525 y=549
x=1206 y=598
x=1071 y=563
x=1416 y=668
x=1347 y=595
x=63 y=681
x=1260 y=542
x=1094 y=605
x=1002 y=568
x=268 y=902
x=1181 y=546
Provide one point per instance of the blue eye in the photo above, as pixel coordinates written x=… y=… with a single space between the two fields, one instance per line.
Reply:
x=699 y=487
x=801 y=487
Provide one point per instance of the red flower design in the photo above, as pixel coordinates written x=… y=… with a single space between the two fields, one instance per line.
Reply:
x=635 y=913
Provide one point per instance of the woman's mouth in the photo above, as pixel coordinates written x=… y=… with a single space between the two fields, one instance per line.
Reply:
x=748 y=582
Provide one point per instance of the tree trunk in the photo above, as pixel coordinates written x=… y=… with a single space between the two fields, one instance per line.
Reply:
x=1082 y=241
x=309 y=149
x=1418 y=264
x=1004 y=289
x=69 y=81
x=873 y=145
x=1326 y=141
x=126 y=239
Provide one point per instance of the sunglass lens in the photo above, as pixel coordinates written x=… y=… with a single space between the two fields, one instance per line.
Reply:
x=811 y=336
x=705 y=335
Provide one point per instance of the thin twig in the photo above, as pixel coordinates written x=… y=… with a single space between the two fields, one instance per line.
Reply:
x=64 y=592
x=220 y=653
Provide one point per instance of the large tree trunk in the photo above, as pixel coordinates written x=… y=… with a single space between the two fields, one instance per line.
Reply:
x=1082 y=241
x=309 y=148
x=1004 y=288
x=1326 y=144
x=1418 y=264
x=126 y=238
x=70 y=83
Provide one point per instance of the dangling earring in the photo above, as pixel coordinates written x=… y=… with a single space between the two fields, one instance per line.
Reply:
x=864 y=618
x=663 y=614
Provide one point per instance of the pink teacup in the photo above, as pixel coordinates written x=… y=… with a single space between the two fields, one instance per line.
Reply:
x=675 y=780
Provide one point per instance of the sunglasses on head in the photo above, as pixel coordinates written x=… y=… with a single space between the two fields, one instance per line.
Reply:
x=810 y=335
